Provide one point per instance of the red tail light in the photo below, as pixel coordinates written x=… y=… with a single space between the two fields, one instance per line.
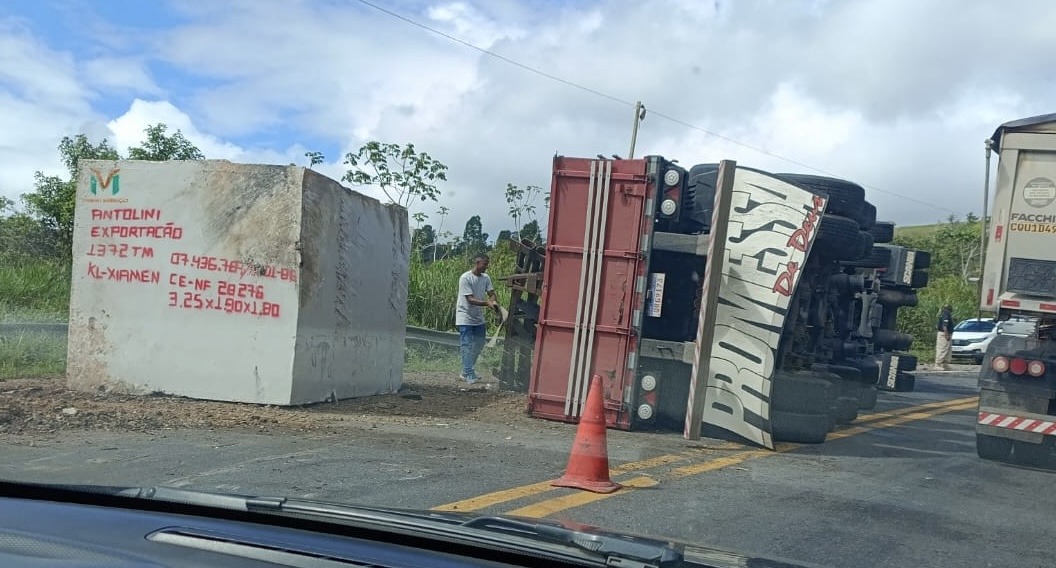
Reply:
x=1017 y=366
x=1036 y=368
x=999 y=364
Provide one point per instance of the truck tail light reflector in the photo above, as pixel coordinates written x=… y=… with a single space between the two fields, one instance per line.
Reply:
x=1017 y=366
x=1036 y=368
x=999 y=364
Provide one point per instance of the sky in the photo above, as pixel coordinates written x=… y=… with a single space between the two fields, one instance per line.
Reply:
x=896 y=95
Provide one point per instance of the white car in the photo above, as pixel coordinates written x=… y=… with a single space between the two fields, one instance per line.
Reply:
x=971 y=337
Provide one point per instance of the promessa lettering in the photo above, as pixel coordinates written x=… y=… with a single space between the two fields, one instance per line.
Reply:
x=736 y=307
x=1033 y=217
x=126 y=214
x=738 y=387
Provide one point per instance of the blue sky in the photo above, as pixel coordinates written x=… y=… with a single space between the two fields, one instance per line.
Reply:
x=894 y=94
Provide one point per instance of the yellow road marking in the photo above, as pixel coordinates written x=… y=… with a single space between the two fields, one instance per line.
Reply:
x=882 y=420
x=557 y=504
x=489 y=499
x=551 y=506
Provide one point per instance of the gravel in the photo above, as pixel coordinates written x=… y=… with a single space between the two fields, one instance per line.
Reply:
x=43 y=406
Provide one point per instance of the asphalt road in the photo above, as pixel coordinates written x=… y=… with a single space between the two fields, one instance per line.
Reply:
x=900 y=487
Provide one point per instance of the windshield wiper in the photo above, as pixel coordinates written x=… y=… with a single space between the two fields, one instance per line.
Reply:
x=610 y=549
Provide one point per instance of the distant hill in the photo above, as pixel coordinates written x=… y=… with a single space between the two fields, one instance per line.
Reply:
x=916 y=230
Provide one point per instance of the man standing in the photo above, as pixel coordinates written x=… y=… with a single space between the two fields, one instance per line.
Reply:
x=942 y=337
x=475 y=292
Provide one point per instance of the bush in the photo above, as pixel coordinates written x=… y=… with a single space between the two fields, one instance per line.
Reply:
x=920 y=320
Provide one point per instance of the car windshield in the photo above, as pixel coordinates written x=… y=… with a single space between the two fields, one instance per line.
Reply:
x=410 y=253
x=975 y=326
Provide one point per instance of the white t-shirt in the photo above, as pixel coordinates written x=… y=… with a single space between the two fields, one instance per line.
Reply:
x=478 y=286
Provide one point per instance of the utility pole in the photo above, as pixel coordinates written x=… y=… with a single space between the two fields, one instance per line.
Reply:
x=639 y=116
x=983 y=225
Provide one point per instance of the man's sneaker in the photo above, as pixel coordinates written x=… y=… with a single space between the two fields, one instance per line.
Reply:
x=469 y=380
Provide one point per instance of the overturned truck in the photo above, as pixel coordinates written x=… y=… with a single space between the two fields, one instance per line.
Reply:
x=794 y=337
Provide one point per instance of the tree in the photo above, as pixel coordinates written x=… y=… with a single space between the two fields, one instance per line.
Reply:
x=504 y=235
x=314 y=158
x=531 y=231
x=521 y=202
x=954 y=245
x=474 y=239
x=403 y=174
x=159 y=147
x=53 y=199
x=424 y=243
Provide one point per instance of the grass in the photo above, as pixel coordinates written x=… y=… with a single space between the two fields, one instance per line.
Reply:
x=37 y=355
x=916 y=231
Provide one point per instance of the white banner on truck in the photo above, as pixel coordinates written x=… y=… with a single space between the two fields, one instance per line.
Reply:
x=771 y=229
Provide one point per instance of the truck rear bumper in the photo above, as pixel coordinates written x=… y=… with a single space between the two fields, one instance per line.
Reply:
x=1019 y=426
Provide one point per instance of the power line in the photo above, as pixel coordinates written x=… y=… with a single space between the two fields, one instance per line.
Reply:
x=615 y=99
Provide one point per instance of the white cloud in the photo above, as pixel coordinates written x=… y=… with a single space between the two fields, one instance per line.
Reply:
x=41 y=100
x=119 y=75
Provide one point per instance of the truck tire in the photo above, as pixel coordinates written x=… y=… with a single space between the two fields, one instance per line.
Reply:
x=905 y=382
x=922 y=260
x=867 y=397
x=919 y=279
x=890 y=340
x=801 y=392
x=799 y=428
x=867 y=218
x=1033 y=455
x=865 y=240
x=883 y=232
x=878 y=257
x=891 y=297
x=845 y=372
x=869 y=367
x=992 y=447
x=844 y=198
x=906 y=362
x=837 y=238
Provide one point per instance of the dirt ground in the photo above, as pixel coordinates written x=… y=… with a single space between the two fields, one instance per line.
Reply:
x=46 y=406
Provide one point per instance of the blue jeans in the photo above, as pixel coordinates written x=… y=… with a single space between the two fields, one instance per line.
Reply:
x=471 y=340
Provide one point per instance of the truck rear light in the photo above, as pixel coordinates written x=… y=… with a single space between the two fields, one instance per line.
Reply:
x=648 y=383
x=668 y=207
x=999 y=364
x=1017 y=366
x=1036 y=368
x=645 y=412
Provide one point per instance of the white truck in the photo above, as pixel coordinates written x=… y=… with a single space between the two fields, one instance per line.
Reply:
x=1017 y=382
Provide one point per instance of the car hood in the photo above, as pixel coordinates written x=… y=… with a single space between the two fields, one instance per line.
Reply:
x=970 y=335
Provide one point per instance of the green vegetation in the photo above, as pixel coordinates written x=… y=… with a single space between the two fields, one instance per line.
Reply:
x=35 y=245
x=35 y=249
x=955 y=255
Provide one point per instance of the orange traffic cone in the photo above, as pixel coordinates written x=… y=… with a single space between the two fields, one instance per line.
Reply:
x=588 y=464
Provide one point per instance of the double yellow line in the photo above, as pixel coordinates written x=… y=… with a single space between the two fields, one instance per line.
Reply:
x=865 y=423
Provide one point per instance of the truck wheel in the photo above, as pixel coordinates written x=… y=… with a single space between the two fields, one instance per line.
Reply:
x=846 y=408
x=905 y=382
x=992 y=447
x=800 y=428
x=837 y=238
x=1034 y=455
x=867 y=218
x=919 y=279
x=922 y=260
x=845 y=198
x=801 y=392
x=891 y=340
x=906 y=362
x=869 y=367
x=896 y=298
x=865 y=240
x=883 y=232
x=878 y=257
x=867 y=397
